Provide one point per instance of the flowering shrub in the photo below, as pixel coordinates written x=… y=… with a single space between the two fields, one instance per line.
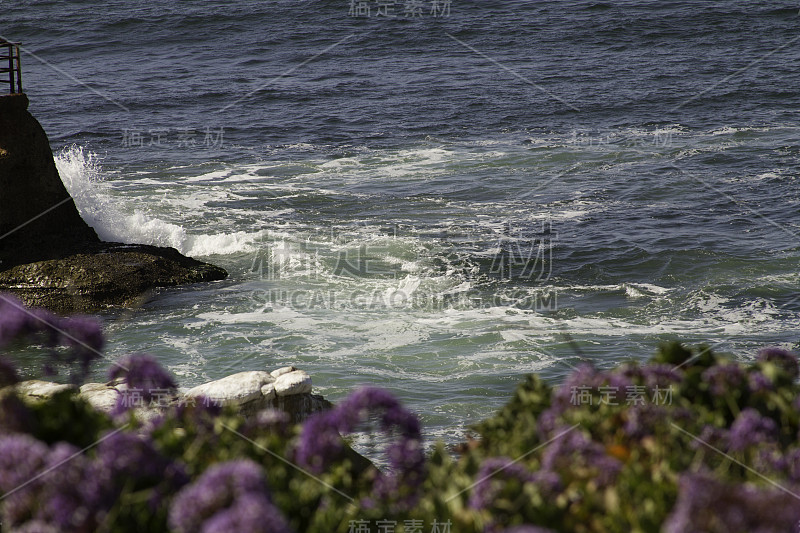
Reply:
x=690 y=442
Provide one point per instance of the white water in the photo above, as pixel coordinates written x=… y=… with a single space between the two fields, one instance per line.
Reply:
x=120 y=219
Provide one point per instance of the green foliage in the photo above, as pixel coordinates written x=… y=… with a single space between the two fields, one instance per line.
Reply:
x=545 y=458
x=65 y=417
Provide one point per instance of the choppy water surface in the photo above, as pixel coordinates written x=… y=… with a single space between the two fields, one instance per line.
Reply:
x=433 y=204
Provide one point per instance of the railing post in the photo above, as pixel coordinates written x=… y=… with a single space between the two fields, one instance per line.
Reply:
x=19 y=69
x=10 y=67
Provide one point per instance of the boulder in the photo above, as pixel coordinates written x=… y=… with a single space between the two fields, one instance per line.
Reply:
x=237 y=389
x=282 y=371
x=291 y=383
x=103 y=275
x=41 y=390
x=100 y=396
x=249 y=392
x=268 y=391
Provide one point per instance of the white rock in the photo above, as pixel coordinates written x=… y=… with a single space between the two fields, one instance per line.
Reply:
x=100 y=396
x=268 y=391
x=236 y=389
x=91 y=387
x=282 y=371
x=42 y=389
x=297 y=382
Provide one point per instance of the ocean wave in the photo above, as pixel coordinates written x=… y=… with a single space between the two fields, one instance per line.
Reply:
x=117 y=222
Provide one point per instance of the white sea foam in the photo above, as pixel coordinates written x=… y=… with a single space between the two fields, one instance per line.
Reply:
x=117 y=220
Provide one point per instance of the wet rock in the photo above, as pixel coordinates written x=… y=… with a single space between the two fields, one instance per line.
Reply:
x=102 y=276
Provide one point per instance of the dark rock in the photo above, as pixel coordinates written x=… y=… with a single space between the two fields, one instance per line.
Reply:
x=102 y=276
x=301 y=406
x=37 y=215
x=49 y=257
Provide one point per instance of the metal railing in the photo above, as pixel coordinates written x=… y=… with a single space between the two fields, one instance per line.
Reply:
x=10 y=66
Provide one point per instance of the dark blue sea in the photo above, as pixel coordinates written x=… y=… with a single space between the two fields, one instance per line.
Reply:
x=434 y=197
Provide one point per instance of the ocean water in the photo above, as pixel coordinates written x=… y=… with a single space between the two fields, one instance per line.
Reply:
x=438 y=198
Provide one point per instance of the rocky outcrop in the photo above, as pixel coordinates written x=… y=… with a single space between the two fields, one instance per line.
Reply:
x=37 y=214
x=103 y=275
x=49 y=257
x=249 y=392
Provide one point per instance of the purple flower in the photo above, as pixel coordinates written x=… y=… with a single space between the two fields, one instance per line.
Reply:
x=587 y=378
x=653 y=375
x=142 y=374
x=71 y=498
x=21 y=458
x=713 y=435
x=724 y=378
x=490 y=480
x=549 y=483
x=661 y=375
x=758 y=382
x=321 y=443
x=706 y=504
x=407 y=463
x=15 y=321
x=547 y=422
x=222 y=492
x=585 y=375
x=786 y=360
x=8 y=375
x=356 y=407
x=128 y=458
x=54 y=486
x=83 y=335
x=320 y=440
x=250 y=513
x=574 y=449
x=642 y=420
x=751 y=428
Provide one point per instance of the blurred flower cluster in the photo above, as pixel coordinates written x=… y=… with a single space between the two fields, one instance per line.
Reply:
x=75 y=341
x=722 y=455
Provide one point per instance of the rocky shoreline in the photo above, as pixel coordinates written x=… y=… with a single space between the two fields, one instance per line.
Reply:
x=287 y=389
